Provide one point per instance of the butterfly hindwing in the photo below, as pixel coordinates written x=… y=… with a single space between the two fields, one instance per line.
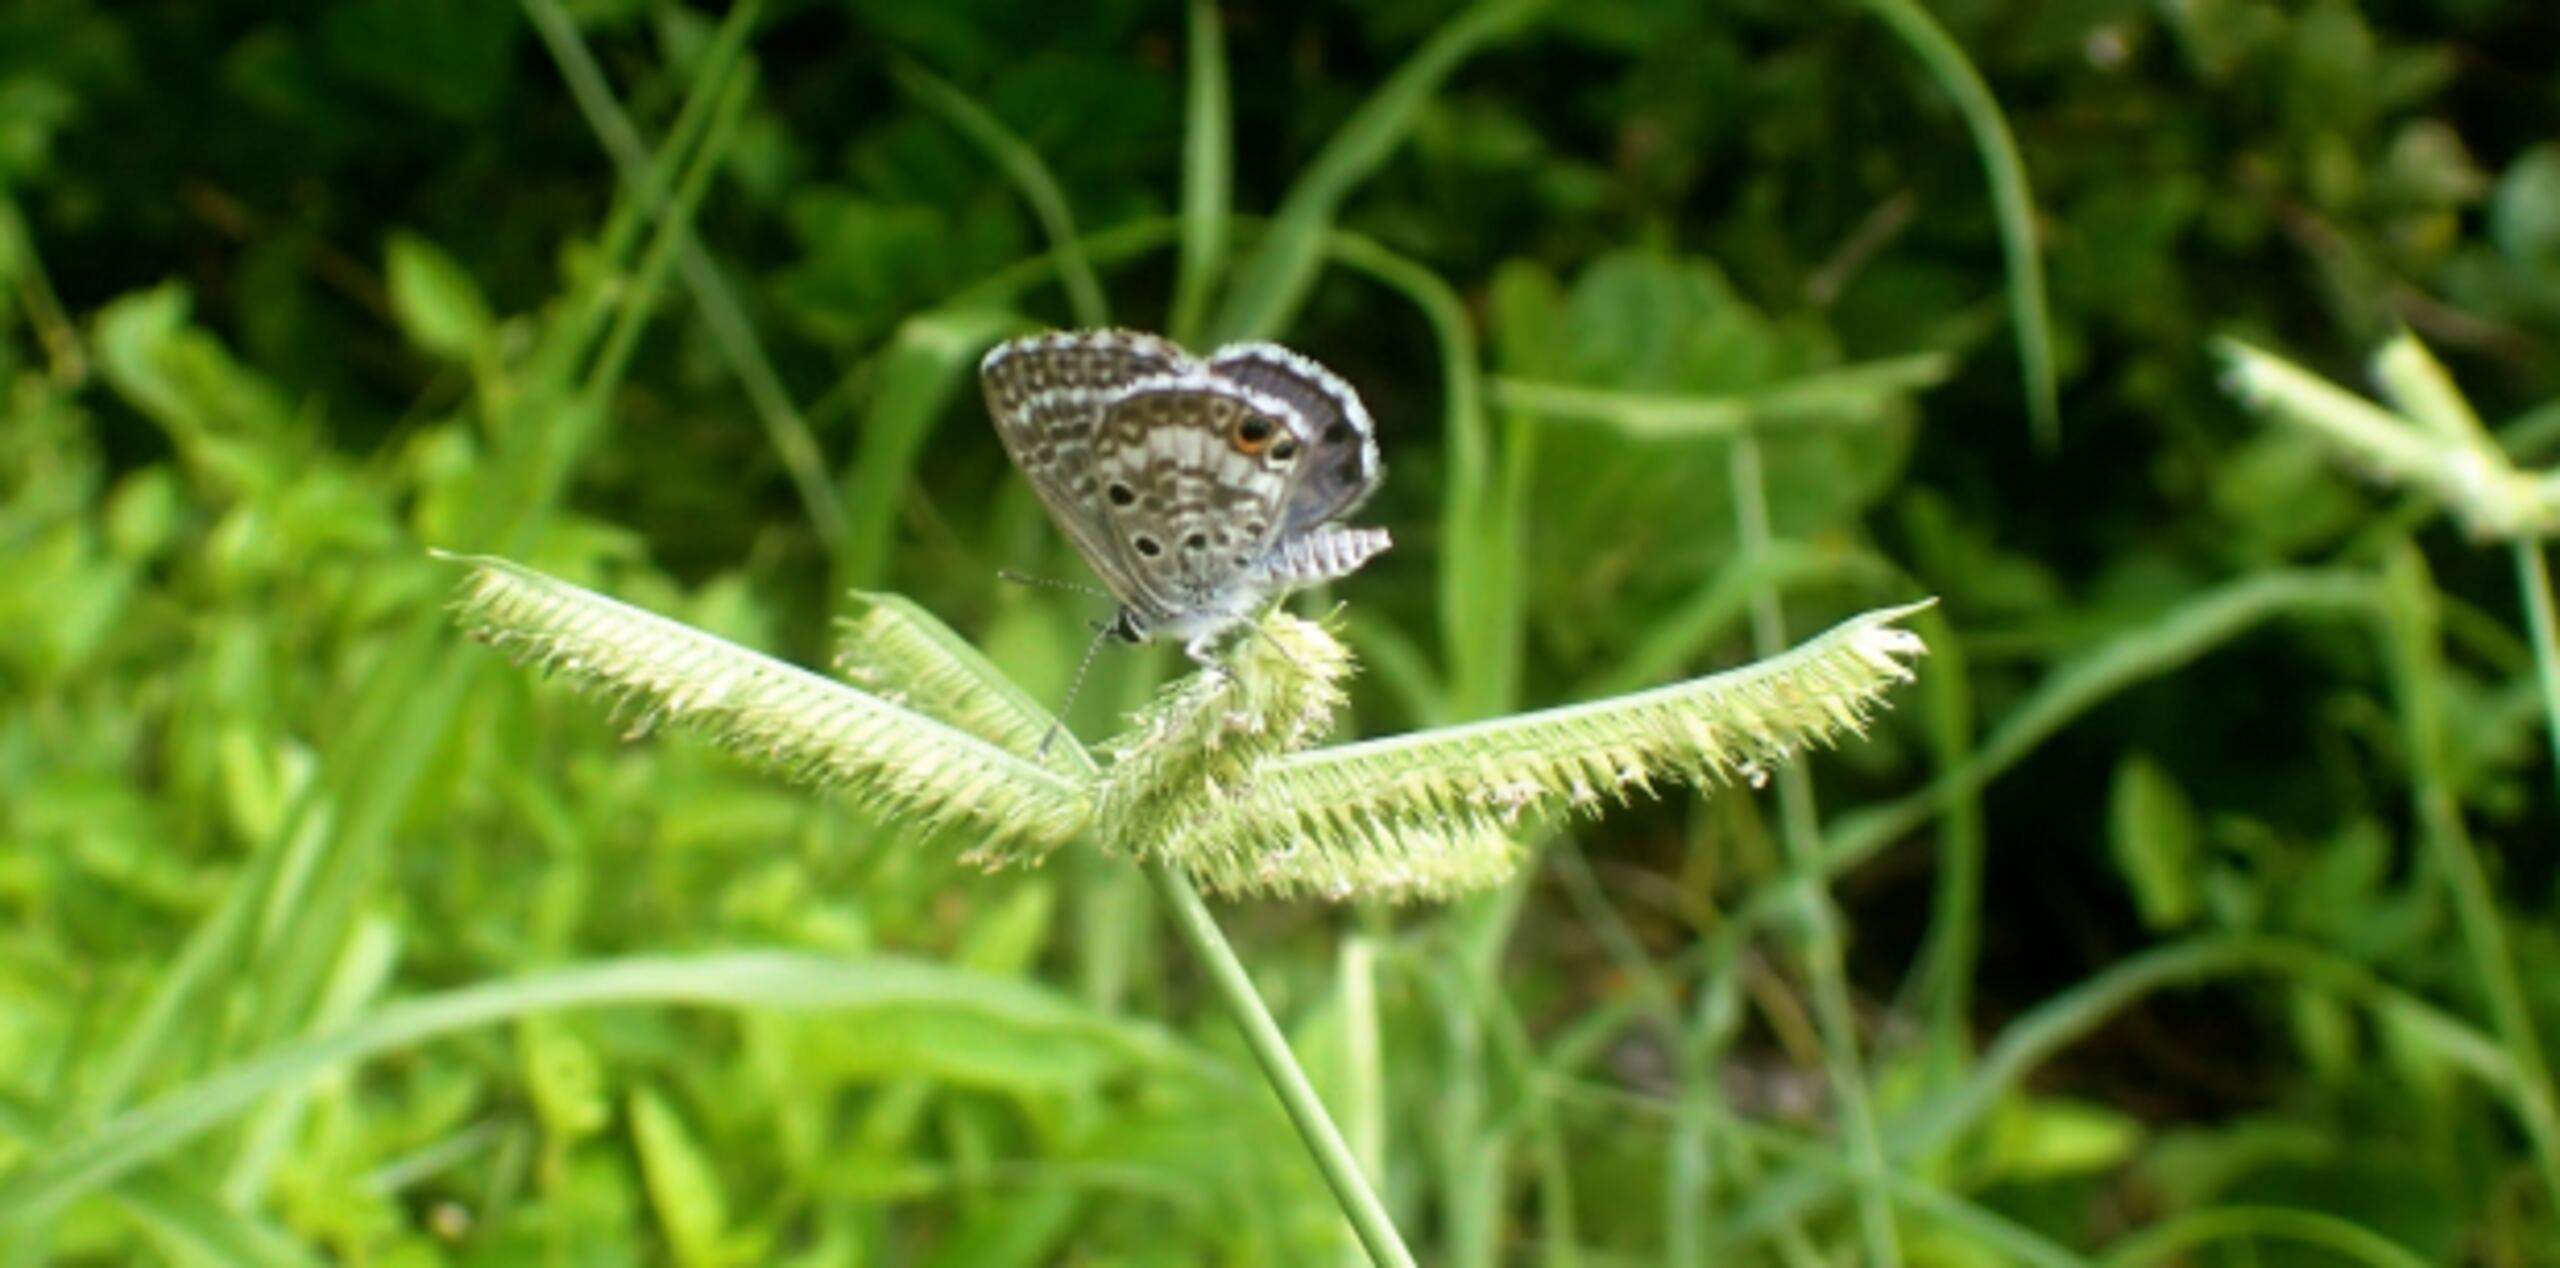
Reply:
x=1342 y=466
x=1194 y=475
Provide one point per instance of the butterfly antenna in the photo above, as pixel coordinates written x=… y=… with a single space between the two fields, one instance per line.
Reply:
x=1074 y=685
x=1049 y=583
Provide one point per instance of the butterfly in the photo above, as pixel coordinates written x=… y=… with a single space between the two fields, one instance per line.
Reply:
x=1197 y=489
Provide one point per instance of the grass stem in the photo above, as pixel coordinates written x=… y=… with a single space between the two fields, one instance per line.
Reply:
x=1244 y=1006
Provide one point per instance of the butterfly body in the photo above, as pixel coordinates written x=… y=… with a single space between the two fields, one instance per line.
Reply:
x=1198 y=490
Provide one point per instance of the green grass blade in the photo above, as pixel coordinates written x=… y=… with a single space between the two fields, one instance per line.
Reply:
x=1030 y=177
x=1276 y=277
x=2409 y=624
x=1852 y=395
x=2533 y=581
x=2011 y=202
x=1800 y=833
x=880 y=988
x=1481 y=523
x=1208 y=171
x=2187 y=631
x=722 y=315
x=932 y=359
x=2188 y=1230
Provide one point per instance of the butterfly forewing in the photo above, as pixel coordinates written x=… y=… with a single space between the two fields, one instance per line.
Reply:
x=1046 y=394
x=1341 y=466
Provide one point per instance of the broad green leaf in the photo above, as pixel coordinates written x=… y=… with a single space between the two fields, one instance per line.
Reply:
x=2151 y=833
x=435 y=301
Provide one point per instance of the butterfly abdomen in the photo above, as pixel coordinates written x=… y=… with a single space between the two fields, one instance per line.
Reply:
x=1321 y=554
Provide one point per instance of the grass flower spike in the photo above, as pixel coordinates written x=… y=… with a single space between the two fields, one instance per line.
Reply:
x=1217 y=776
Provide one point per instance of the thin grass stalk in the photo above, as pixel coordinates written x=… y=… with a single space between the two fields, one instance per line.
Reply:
x=2409 y=630
x=2012 y=204
x=624 y=337
x=1944 y=974
x=1800 y=829
x=722 y=315
x=639 y=205
x=66 y=358
x=2045 y=1030
x=1364 y=1065
x=1208 y=171
x=1031 y=179
x=1234 y=988
x=2185 y=1233
x=2533 y=579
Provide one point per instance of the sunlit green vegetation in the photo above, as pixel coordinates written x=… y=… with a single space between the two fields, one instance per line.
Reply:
x=2196 y=904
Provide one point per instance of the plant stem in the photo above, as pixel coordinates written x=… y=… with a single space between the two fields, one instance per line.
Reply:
x=2534 y=578
x=1324 y=1140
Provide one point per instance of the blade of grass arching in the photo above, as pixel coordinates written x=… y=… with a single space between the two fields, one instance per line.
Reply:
x=928 y=361
x=882 y=987
x=1208 y=171
x=1480 y=534
x=1116 y=245
x=2192 y=628
x=2533 y=578
x=1942 y=976
x=1848 y=396
x=2020 y=1243
x=2164 y=1241
x=1029 y=175
x=2011 y=202
x=1800 y=830
x=1681 y=635
x=1276 y=276
x=2409 y=628
x=722 y=316
x=2045 y=1030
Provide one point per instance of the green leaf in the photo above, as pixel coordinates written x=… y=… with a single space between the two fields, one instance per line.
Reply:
x=434 y=300
x=2151 y=834
x=2046 y=1138
x=684 y=1185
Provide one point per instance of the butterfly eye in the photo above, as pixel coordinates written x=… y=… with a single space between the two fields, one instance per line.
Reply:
x=1253 y=434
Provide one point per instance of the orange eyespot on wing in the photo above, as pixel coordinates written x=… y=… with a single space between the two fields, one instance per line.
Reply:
x=1254 y=433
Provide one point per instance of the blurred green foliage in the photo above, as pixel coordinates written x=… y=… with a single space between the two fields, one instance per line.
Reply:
x=2154 y=893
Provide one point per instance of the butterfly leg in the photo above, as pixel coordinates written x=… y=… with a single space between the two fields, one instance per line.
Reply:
x=1198 y=650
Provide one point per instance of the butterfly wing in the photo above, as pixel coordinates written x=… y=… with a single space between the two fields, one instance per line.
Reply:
x=1341 y=468
x=1195 y=474
x=1046 y=394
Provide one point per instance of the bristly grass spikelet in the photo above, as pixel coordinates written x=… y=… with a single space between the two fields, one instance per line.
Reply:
x=1216 y=776
x=775 y=715
x=1438 y=812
